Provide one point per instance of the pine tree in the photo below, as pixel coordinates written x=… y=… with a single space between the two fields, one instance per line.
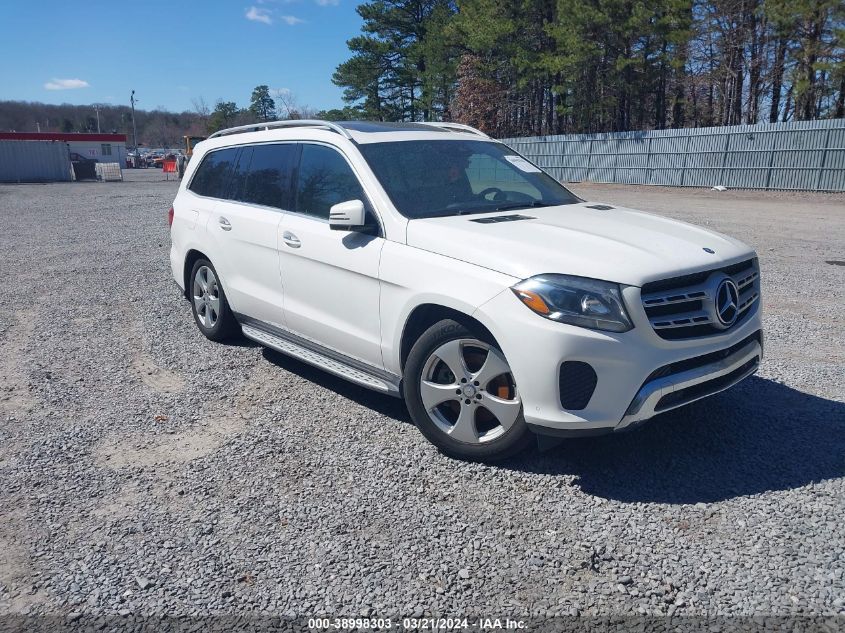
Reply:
x=524 y=67
x=392 y=72
x=223 y=115
x=261 y=104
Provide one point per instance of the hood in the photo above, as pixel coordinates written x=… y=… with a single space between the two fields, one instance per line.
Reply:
x=615 y=244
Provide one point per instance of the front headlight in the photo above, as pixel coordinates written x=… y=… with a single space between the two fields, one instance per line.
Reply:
x=581 y=301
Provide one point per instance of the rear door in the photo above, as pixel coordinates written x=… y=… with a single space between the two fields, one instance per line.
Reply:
x=330 y=277
x=246 y=225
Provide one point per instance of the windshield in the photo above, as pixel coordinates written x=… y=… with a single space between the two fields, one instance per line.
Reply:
x=427 y=179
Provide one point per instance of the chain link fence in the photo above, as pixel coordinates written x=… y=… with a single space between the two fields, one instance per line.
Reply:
x=801 y=155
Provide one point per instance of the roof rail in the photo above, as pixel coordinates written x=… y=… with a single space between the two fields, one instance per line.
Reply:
x=454 y=127
x=255 y=127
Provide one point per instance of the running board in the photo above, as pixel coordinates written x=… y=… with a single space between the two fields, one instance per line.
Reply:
x=354 y=373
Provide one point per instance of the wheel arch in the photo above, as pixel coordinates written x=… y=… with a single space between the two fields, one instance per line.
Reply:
x=425 y=315
x=190 y=259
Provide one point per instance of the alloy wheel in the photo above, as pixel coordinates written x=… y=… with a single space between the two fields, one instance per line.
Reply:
x=206 y=297
x=468 y=391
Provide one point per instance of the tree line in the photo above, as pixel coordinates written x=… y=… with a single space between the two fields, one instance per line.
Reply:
x=158 y=127
x=264 y=105
x=525 y=67
x=572 y=66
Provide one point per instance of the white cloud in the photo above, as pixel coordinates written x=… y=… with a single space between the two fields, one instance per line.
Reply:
x=65 y=84
x=291 y=20
x=259 y=15
x=327 y=3
x=268 y=16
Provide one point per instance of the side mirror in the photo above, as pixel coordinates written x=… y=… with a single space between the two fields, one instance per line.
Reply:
x=347 y=216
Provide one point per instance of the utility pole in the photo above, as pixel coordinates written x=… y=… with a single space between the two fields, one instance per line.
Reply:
x=97 y=110
x=134 y=131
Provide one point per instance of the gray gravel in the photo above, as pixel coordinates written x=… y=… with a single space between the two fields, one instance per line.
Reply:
x=146 y=470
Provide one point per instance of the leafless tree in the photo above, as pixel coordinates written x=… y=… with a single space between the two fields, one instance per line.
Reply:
x=288 y=106
x=201 y=107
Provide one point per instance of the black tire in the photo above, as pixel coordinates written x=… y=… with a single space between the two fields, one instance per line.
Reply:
x=513 y=440
x=224 y=326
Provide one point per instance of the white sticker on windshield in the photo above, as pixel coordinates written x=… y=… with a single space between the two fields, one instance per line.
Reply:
x=520 y=163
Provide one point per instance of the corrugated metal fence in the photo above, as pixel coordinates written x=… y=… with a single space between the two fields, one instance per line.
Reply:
x=34 y=161
x=805 y=155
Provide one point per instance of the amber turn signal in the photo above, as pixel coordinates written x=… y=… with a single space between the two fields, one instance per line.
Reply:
x=532 y=300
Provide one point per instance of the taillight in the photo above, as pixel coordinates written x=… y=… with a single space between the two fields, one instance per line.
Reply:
x=170 y=217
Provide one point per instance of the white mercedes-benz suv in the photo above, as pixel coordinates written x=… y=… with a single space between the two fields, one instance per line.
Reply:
x=433 y=263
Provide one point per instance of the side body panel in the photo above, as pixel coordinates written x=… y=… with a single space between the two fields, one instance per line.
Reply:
x=248 y=258
x=411 y=277
x=190 y=216
x=332 y=286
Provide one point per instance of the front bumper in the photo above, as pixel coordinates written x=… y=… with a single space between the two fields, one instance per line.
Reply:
x=676 y=390
x=639 y=374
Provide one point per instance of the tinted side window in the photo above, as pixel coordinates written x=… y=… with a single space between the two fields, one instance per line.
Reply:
x=325 y=179
x=213 y=173
x=237 y=184
x=269 y=178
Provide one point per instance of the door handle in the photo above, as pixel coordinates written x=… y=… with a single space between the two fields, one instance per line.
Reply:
x=291 y=240
x=224 y=223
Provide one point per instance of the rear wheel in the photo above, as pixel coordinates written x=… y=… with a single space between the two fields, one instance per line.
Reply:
x=462 y=395
x=208 y=303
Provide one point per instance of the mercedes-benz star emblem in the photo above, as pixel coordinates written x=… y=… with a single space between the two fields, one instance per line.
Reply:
x=727 y=302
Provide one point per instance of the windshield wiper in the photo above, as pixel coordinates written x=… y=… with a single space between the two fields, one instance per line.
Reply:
x=523 y=205
x=442 y=213
x=445 y=213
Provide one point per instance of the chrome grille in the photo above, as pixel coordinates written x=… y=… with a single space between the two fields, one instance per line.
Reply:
x=685 y=307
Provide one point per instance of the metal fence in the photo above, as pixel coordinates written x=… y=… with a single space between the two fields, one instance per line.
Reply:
x=34 y=161
x=802 y=155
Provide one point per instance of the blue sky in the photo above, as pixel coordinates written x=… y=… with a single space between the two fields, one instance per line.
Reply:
x=83 y=52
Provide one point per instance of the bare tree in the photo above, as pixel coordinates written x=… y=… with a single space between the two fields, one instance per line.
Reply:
x=288 y=106
x=201 y=107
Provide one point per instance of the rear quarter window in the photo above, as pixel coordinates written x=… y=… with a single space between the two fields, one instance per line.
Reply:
x=214 y=173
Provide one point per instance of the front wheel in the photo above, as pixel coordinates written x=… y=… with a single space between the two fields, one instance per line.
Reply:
x=462 y=395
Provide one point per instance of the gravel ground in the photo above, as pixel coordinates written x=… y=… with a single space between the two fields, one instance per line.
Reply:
x=146 y=470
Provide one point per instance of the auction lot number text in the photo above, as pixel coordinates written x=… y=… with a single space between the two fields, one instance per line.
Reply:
x=415 y=624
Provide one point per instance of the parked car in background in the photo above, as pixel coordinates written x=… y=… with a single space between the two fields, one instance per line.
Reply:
x=133 y=159
x=430 y=262
x=157 y=160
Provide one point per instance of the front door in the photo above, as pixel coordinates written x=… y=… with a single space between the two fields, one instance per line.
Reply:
x=330 y=278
